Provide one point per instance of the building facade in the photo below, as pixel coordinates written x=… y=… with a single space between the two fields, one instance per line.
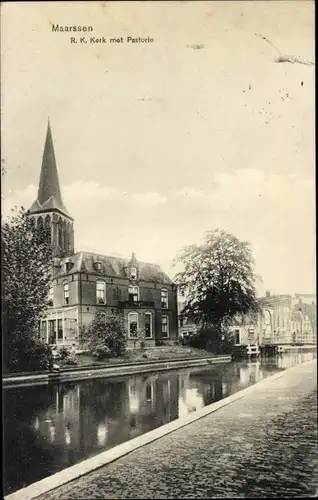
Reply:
x=86 y=284
x=287 y=319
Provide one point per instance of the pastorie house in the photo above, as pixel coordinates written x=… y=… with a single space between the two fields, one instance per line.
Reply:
x=86 y=284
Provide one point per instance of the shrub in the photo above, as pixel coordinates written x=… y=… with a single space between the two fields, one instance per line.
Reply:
x=70 y=360
x=64 y=352
x=212 y=339
x=142 y=345
x=107 y=336
x=144 y=355
x=28 y=355
x=102 y=352
x=160 y=343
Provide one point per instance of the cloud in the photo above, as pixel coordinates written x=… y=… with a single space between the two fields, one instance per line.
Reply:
x=148 y=199
x=274 y=212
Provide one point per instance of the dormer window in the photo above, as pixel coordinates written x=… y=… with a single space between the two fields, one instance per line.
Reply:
x=98 y=266
x=133 y=273
x=69 y=266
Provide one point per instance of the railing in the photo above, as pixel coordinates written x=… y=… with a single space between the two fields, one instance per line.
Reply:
x=129 y=304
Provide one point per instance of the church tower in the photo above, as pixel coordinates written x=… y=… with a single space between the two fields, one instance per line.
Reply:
x=48 y=210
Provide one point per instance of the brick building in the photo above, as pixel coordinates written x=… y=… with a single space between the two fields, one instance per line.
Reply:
x=85 y=284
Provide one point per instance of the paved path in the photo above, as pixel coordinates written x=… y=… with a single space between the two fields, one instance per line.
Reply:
x=263 y=445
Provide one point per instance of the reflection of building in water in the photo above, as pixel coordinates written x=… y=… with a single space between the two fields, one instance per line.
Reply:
x=153 y=401
x=250 y=373
x=190 y=398
x=60 y=423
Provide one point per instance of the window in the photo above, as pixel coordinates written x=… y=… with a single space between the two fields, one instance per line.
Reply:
x=52 y=331
x=59 y=329
x=132 y=324
x=51 y=296
x=148 y=392
x=100 y=292
x=133 y=293
x=69 y=266
x=66 y=294
x=237 y=337
x=165 y=327
x=133 y=273
x=164 y=298
x=98 y=266
x=148 y=325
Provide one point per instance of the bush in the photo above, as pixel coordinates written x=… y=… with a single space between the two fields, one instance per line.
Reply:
x=70 y=360
x=107 y=336
x=101 y=352
x=28 y=355
x=160 y=343
x=212 y=339
x=144 y=355
x=142 y=345
x=64 y=352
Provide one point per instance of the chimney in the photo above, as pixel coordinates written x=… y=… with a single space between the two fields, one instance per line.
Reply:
x=268 y=293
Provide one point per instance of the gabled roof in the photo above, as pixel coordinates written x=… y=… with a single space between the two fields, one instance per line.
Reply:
x=114 y=267
x=49 y=193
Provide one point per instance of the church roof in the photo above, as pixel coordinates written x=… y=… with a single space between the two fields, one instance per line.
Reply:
x=49 y=192
x=114 y=267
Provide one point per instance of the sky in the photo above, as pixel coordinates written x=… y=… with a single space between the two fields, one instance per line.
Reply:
x=157 y=143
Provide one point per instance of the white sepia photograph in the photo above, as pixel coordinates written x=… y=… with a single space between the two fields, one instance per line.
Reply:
x=158 y=250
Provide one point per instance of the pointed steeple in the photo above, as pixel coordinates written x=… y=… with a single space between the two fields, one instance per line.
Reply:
x=49 y=192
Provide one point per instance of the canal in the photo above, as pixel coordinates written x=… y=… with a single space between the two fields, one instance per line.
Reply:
x=48 y=428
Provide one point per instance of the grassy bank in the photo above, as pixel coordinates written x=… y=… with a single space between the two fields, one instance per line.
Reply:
x=150 y=354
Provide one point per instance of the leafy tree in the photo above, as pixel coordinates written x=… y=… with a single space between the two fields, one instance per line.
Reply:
x=217 y=281
x=26 y=265
x=107 y=336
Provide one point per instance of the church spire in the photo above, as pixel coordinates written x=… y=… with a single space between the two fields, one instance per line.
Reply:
x=49 y=180
x=49 y=192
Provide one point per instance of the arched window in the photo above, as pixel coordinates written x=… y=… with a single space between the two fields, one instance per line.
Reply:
x=148 y=325
x=133 y=293
x=69 y=237
x=63 y=235
x=164 y=327
x=48 y=226
x=100 y=292
x=132 y=324
x=40 y=223
x=66 y=293
x=60 y=236
x=164 y=298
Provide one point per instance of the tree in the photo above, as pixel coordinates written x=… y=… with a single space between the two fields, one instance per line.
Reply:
x=26 y=279
x=218 y=279
x=107 y=336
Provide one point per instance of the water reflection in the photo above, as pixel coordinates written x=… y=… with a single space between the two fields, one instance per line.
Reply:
x=48 y=428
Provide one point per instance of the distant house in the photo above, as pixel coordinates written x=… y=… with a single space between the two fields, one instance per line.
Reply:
x=245 y=329
x=86 y=284
x=186 y=327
